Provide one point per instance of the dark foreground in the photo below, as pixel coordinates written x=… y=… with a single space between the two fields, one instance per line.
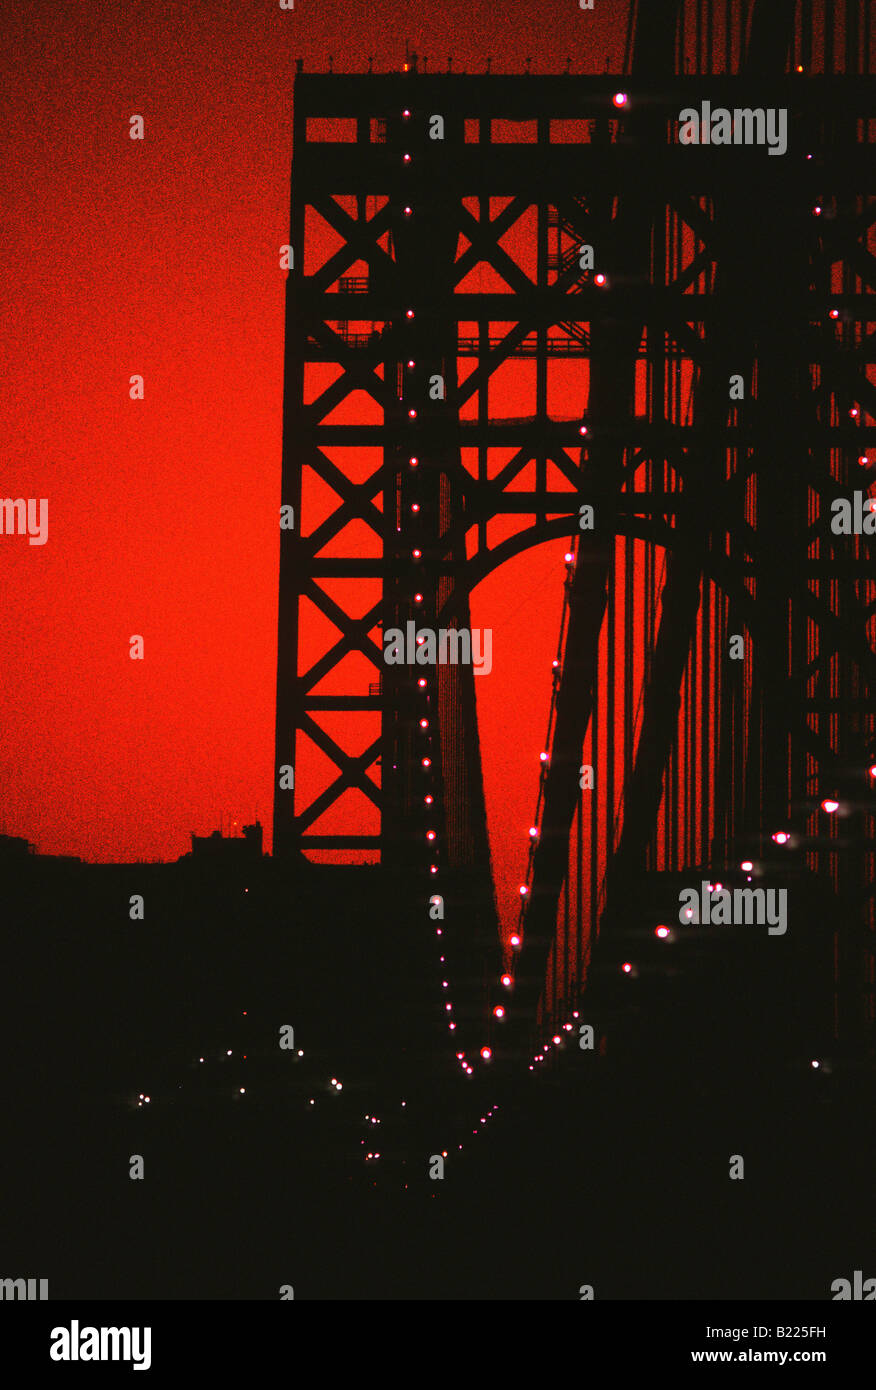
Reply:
x=609 y=1170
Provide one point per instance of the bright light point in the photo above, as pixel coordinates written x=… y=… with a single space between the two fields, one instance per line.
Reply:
x=415 y=506
x=406 y=114
x=688 y=912
x=408 y=212
x=567 y=1027
x=486 y=1053
x=781 y=837
x=872 y=770
x=662 y=932
x=515 y=940
x=433 y=869
x=424 y=723
x=556 y=1040
x=340 y=1085
x=599 y=279
x=542 y=757
x=815 y=1064
x=200 y=1059
x=834 y=314
x=854 y=412
x=413 y=462
x=746 y=866
x=499 y=1012
x=448 y=1007
x=554 y=664
x=427 y=800
x=523 y=890
x=228 y=1053
x=427 y=762
x=582 y=430
x=418 y=598
x=568 y=557
x=406 y=158
x=620 y=99
x=817 y=210
x=506 y=981
x=830 y=806
x=300 y=1052
x=409 y=313
x=533 y=831
x=626 y=967
x=243 y=1090
x=422 y=682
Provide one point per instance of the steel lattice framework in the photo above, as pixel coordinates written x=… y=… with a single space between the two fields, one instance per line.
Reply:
x=711 y=516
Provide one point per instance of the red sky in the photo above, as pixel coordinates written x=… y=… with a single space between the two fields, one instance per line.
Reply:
x=160 y=257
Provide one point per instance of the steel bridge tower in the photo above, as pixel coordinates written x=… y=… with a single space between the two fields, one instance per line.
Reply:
x=711 y=508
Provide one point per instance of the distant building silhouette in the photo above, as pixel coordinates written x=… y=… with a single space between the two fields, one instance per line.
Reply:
x=15 y=847
x=229 y=849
